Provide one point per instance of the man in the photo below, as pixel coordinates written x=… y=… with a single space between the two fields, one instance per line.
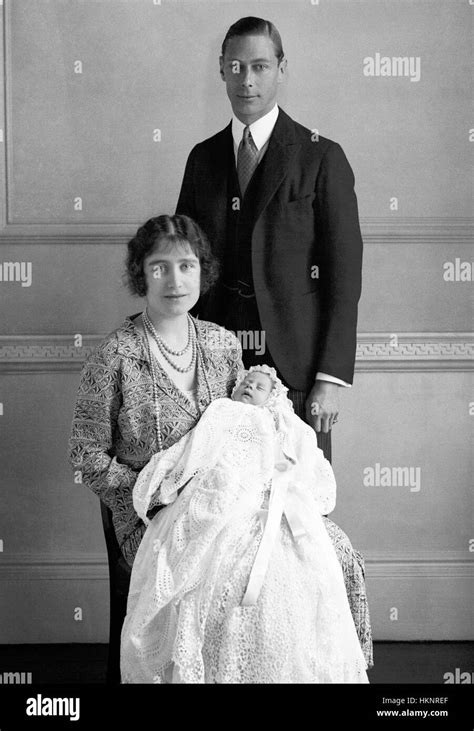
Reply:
x=290 y=243
x=278 y=205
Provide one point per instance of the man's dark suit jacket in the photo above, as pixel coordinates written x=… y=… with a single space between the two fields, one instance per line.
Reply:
x=306 y=218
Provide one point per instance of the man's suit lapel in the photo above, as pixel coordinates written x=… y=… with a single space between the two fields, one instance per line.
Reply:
x=217 y=185
x=281 y=149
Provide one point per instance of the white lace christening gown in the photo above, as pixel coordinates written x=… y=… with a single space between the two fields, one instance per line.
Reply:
x=236 y=579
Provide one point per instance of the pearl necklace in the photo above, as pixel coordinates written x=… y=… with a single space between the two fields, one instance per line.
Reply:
x=156 y=401
x=165 y=349
x=154 y=383
x=159 y=339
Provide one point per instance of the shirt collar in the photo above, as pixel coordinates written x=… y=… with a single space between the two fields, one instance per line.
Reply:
x=260 y=130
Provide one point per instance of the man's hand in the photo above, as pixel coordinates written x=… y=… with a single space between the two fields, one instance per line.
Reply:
x=322 y=405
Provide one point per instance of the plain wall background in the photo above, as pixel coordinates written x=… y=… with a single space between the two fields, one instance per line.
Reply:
x=148 y=67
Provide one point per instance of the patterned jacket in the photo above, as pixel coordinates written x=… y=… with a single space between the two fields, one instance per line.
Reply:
x=113 y=430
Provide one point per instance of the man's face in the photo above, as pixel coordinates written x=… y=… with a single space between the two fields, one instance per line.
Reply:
x=252 y=73
x=255 y=389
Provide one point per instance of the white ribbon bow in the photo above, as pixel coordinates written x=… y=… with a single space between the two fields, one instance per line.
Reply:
x=282 y=490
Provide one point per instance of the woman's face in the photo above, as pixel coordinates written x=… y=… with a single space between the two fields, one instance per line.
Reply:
x=254 y=389
x=173 y=278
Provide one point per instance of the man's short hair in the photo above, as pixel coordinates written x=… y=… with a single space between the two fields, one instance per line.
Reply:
x=251 y=26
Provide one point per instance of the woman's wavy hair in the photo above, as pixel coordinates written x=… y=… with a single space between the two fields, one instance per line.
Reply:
x=172 y=230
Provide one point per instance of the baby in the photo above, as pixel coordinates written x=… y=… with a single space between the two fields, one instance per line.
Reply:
x=230 y=434
x=255 y=388
x=243 y=494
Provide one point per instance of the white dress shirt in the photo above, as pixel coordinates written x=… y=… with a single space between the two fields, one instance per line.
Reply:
x=261 y=131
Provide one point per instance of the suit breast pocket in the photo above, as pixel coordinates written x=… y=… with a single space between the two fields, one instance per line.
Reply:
x=308 y=197
x=303 y=204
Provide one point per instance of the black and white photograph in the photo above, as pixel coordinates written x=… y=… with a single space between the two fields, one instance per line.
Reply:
x=236 y=352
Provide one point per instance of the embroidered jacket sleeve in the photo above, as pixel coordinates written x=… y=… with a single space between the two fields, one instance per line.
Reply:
x=94 y=424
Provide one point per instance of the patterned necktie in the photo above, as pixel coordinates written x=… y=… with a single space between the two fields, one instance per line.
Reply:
x=247 y=158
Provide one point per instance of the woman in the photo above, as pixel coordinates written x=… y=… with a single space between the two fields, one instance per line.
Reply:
x=148 y=382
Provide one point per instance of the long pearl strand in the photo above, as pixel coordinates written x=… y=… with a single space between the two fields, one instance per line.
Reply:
x=154 y=381
x=156 y=402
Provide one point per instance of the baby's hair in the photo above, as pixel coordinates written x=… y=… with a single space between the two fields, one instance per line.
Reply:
x=277 y=386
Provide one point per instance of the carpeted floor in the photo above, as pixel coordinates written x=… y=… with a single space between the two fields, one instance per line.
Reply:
x=395 y=662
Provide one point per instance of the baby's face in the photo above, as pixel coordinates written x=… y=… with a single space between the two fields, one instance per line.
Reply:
x=254 y=389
